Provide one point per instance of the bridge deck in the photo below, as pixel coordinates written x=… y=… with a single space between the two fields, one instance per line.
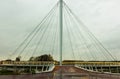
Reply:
x=101 y=66
x=65 y=72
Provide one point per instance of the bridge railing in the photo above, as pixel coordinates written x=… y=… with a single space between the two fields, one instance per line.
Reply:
x=99 y=63
x=64 y=63
x=27 y=62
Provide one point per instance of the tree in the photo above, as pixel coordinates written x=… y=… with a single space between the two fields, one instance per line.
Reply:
x=18 y=58
x=32 y=59
x=44 y=57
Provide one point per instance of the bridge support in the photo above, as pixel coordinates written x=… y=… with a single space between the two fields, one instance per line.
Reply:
x=61 y=30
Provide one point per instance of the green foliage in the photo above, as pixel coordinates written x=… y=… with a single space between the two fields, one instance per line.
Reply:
x=18 y=58
x=32 y=59
x=44 y=57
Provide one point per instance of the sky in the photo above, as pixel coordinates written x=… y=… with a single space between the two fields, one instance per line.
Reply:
x=18 y=18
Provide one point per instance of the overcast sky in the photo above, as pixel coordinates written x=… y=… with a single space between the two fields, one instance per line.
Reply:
x=18 y=17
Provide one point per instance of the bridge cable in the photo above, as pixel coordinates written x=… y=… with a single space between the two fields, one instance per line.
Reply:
x=91 y=34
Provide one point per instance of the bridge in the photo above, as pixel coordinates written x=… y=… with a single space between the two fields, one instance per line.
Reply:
x=66 y=72
x=63 y=35
x=101 y=66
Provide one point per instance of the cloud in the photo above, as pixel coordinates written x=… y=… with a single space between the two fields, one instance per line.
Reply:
x=18 y=17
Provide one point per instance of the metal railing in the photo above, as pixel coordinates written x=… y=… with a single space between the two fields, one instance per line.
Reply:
x=27 y=62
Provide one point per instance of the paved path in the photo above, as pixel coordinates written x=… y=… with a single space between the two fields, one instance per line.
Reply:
x=64 y=72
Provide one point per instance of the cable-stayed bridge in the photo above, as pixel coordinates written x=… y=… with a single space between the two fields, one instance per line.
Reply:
x=63 y=35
